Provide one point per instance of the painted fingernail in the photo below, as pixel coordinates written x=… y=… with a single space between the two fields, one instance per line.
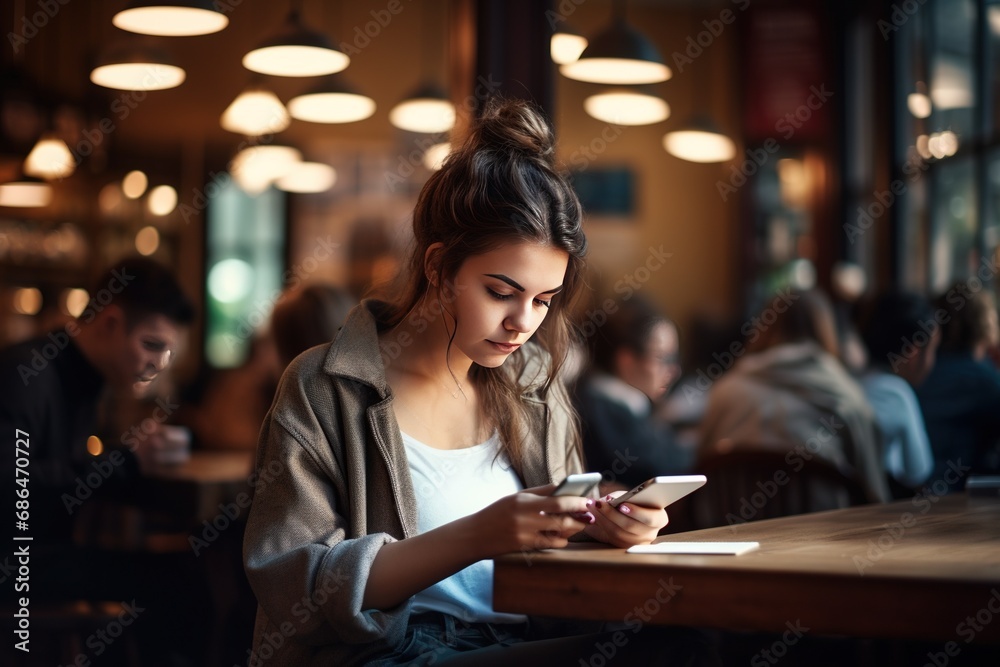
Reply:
x=608 y=497
x=591 y=518
x=624 y=509
x=590 y=503
x=598 y=504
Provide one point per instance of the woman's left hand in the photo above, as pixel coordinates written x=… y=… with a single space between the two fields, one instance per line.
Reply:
x=626 y=525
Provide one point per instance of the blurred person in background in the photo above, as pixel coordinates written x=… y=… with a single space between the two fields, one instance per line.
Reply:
x=901 y=337
x=790 y=389
x=960 y=398
x=635 y=361
x=52 y=387
x=232 y=408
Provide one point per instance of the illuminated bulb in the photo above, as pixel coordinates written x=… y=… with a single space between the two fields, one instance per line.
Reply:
x=919 y=105
x=134 y=184
x=146 y=76
x=147 y=240
x=426 y=114
x=28 y=300
x=625 y=107
x=435 y=156
x=331 y=107
x=308 y=177
x=25 y=194
x=50 y=158
x=699 y=146
x=255 y=112
x=75 y=301
x=171 y=19
x=162 y=200
x=566 y=47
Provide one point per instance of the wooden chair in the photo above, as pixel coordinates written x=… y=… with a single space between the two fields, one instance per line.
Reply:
x=747 y=484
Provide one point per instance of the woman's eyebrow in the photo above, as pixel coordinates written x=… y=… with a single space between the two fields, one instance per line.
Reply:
x=513 y=283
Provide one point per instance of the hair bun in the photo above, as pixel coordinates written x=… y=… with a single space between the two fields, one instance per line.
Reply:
x=515 y=124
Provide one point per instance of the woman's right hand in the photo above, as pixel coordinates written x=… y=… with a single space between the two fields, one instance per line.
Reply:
x=529 y=520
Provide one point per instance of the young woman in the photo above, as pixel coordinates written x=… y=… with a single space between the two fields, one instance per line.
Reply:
x=398 y=460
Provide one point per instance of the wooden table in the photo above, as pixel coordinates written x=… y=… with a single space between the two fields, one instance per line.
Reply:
x=198 y=486
x=912 y=569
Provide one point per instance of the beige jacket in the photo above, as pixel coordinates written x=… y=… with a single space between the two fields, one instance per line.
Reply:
x=338 y=487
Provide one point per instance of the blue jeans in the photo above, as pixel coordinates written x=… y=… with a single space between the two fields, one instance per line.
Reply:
x=442 y=640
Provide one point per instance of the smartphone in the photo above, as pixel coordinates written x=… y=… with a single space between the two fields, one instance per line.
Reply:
x=661 y=491
x=578 y=485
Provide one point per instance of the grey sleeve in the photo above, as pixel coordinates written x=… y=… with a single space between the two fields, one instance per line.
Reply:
x=302 y=566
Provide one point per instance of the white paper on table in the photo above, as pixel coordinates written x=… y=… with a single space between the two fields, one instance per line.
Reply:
x=698 y=548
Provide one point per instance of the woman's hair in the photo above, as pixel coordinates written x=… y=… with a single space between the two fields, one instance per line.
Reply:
x=630 y=327
x=500 y=187
x=807 y=316
x=307 y=317
x=968 y=319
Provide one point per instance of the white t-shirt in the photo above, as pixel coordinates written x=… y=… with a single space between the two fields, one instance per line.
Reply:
x=450 y=484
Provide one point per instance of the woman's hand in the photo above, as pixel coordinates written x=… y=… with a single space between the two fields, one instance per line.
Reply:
x=529 y=520
x=626 y=525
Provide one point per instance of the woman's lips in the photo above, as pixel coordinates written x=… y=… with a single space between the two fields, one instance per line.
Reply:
x=506 y=348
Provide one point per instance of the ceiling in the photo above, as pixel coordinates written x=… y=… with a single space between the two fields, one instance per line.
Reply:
x=58 y=57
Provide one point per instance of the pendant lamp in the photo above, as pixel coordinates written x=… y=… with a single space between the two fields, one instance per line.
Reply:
x=255 y=168
x=566 y=44
x=296 y=51
x=332 y=101
x=618 y=55
x=137 y=68
x=699 y=140
x=427 y=110
x=627 y=106
x=255 y=112
x=171 y=18
x=50 y=159
x=25 y=192
x=308 y=177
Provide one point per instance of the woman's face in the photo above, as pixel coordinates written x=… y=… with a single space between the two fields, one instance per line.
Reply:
x=501 y=297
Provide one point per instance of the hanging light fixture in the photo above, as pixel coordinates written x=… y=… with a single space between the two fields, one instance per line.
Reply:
x=627 y=106
x=308 y=177
x=427 y=109
x=171 y=18
x=137 y=68
x=255 y=168
x=296 y=51
x=435 y=156
x=50 y=158
x=566 y=44
x=255 y=112
x=699 y=141
x=331 y=102
x=619 y=55
x=25 y=192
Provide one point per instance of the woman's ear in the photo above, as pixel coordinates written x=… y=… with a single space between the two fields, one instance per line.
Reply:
x=432 y=263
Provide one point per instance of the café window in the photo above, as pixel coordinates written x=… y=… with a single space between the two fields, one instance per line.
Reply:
x=946 y=143
x=244 y=261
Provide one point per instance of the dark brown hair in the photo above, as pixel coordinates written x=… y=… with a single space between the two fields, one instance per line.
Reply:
x=966 y=318
x=808 y=317
x=501 y=187
x=307 y=317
